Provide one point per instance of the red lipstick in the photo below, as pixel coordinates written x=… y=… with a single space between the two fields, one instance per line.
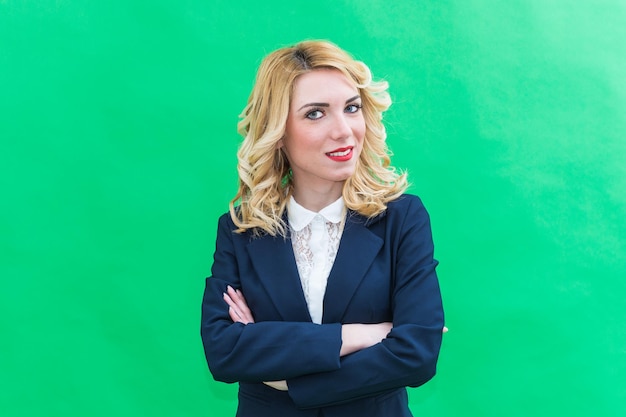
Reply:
x=340 y=154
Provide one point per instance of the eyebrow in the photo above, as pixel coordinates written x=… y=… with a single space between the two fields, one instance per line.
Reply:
x=351 y=99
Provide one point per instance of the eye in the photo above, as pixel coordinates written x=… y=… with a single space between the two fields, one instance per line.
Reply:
x=353 y=108
x=314 y=114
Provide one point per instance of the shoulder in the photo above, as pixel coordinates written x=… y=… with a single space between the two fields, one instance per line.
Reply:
x=225 y=221
x=403 y=207
x=405 y=203
x=226 y=227
x=406 y=211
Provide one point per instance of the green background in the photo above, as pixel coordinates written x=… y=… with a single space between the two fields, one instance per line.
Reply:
x=118 y=140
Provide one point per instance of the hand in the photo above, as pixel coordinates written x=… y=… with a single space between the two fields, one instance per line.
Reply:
x=237 y=306
x=279 y=385
x=356 y=336
x=240 y=313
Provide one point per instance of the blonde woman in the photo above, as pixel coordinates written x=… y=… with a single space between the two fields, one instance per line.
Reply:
x=323 y=299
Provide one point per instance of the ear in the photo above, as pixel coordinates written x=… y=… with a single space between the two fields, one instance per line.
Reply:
x=280 y=143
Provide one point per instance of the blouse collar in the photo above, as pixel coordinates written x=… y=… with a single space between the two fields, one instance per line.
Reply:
x=299 y=217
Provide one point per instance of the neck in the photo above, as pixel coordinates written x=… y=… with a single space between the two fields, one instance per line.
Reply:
x=315 y=200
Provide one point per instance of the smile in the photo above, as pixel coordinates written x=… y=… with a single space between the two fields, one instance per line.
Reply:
x=341 y=155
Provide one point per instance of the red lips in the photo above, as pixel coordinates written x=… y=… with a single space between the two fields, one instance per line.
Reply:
x=340 y=154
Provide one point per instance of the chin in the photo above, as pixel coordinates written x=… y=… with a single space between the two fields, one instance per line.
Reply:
x=343 y=177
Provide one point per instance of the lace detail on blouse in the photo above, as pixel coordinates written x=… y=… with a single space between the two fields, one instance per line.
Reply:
x=315 y=248
x=304 y=256
x=315 y=238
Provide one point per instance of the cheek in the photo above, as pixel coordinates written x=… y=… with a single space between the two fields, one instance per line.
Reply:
x=359 y=132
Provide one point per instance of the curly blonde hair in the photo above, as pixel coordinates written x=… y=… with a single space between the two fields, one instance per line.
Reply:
x=264 y=174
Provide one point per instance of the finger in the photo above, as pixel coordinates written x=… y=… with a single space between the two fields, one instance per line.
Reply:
x=238 y=311
x=234 y=300
x=236 y=296
x=229 y=301
x=244 y=304
x=240 y=304
x=234 y=316
x=235 y=312
x=230 y=290
x=445 y=329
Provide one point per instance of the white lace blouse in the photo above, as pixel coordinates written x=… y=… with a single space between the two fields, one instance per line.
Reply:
x=315 y=239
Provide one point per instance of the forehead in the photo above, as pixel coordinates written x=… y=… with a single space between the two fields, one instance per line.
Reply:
x=323 y=85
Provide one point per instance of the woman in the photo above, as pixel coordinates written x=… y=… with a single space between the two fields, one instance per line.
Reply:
x=323 y=298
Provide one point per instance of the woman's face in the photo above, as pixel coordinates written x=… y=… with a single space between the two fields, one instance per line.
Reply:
x=324 y=132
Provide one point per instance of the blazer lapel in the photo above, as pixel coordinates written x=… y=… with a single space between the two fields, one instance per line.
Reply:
x=275 y=264
x=357 y=250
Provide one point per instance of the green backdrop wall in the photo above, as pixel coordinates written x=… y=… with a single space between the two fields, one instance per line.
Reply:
x=118 y=140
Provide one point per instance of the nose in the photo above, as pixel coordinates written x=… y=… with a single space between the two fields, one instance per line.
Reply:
x=341 y=128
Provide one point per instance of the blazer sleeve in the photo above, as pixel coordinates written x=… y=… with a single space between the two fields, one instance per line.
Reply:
x=265 y=351
x=408 y=356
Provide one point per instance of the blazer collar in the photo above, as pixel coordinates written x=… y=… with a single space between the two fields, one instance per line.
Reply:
x=275 y=264
x=357 y=250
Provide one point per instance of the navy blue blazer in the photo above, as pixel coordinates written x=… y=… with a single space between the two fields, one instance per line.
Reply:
x=384 y=271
